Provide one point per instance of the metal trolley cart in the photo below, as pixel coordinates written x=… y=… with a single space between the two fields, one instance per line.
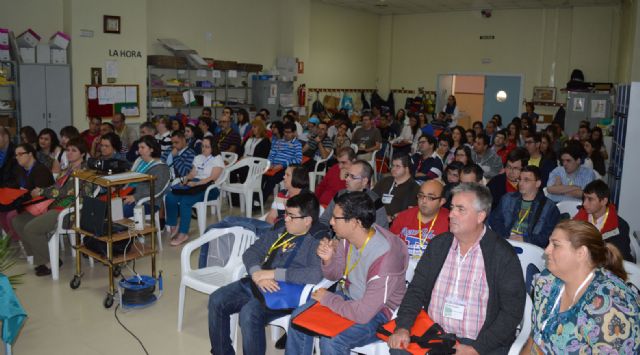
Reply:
x=114 y=183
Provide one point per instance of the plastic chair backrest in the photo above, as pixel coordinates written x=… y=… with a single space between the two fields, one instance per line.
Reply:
x=633 y=273
x=569 y=207
x=323 y=161
x=635 y=247
x=528 y=254
x=411 y=269
x=229 y=158
x=257 y=167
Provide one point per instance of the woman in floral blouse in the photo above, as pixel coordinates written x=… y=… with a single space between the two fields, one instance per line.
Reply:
x=582 y=304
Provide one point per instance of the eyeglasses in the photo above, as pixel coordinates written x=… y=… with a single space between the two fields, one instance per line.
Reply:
x=334 y=217
x=290 y=216
x=513 y=168
x=354 y=177
x=19 y=154
x=422 y=196
x=420 y=142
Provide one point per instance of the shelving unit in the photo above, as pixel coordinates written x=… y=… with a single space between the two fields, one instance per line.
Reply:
x=228 y=88
x=10 y=93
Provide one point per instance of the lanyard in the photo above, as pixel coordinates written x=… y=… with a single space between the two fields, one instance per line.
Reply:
x=222 y=137
x=433 y=221
x=205 y=162
x=393 y=186
x=604 y=220
x=347 y=268
x=279 y=243
x=517 y=228
x=582 y=285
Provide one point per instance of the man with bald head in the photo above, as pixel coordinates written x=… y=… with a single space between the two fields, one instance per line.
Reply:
x=418 y=225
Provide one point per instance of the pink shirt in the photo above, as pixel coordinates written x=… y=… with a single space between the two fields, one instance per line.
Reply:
x=472 y=292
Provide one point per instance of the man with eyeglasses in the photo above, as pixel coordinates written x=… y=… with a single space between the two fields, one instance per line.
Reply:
x=369 y=264
x=286 y=254
x=526 y=215
x=508 y=181
x=418 y=225
x=488 y=160
x=358 y=179
x=426 y=165
x=228 y=139
x=335 y=179
x=532 y=144
x=398 y=191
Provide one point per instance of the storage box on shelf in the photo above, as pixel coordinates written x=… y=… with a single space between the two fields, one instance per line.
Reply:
x=28 y=38
x=9 y=98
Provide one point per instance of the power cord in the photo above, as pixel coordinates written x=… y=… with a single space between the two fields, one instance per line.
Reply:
x=115 y=313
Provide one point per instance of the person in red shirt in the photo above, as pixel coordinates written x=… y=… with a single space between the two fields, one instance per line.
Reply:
x=506 y=182
x=418 y=225
x=335 y=180
x=93 y=132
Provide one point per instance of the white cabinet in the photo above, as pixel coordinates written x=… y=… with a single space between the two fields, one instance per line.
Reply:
x=45 y=96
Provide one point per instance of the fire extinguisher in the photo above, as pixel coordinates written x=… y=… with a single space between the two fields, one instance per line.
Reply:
x=302 y=95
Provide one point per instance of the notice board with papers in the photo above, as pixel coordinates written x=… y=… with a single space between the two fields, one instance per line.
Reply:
x=107 y=100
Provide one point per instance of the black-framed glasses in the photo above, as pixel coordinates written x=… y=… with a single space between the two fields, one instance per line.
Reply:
x=422 y=196
x=19 y=154
x=290 y=216
x=354 y=177
x=334 y=217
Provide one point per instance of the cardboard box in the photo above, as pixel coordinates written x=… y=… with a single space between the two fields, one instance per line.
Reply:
x=59 y=40
x=28 y=55
x=5 y=54
x=4 y=36
x=28 y=38
x=7 y=121
x=58 y=56
x=43 y=54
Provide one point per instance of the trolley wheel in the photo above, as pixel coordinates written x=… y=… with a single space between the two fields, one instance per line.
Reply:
x=117 y=271
x=108 y=301
x=75 y=282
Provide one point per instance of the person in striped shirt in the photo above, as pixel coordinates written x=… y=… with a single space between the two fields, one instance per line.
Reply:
x=180 y=160
x=284 y=152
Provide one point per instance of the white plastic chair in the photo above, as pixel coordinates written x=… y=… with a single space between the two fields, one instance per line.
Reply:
x=158 y=197
x=570 y=207
x=257 y=167
x=525 y=328
x=317 y=174
x=633 y=273
x=373 y=164
x=528 y=254
x=55 y=241
x=229 y=158
x=354 y=147
x=209 y=279
x=201 y=207
x=281 y=324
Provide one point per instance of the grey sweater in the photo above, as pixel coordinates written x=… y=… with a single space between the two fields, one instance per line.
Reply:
x=381 y=213
x=161 y=172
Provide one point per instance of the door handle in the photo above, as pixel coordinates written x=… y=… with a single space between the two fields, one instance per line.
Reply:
x=49 y=120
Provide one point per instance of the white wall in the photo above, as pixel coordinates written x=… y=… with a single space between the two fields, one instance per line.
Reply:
x=44 y=17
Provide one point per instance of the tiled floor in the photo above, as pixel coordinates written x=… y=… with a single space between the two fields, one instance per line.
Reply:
x=66 y=321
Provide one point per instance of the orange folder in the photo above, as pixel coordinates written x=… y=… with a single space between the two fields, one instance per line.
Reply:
x=323 y=321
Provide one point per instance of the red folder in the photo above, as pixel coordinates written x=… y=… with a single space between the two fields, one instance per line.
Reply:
x=8 y=195
x=323 y=321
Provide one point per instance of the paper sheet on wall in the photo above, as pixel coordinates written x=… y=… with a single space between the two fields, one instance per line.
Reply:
x=598 y=108
x=131 y=94
x=92 y=93
x=286 y=100
x=111 y=69
x=206 y=99
x=105 y=95
x=119 y=94
x=216 y=74
x=273 y=90
x=188 y=97
x=130 y=111
x=271 y=101
x=201 y=73
x=233 y=73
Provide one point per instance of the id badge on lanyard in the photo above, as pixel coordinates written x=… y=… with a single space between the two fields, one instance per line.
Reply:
x=386 y=198
x=454 y=307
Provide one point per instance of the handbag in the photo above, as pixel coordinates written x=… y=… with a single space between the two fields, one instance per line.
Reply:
x=287 y=298
x=426 y=336
x=180 y=189
x=322 y=320
x=38 y=206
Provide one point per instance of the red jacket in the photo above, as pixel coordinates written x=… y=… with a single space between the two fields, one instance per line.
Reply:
x=330 y=185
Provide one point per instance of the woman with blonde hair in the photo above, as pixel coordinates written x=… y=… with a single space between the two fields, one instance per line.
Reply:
x=258 y=144
x=581 y=301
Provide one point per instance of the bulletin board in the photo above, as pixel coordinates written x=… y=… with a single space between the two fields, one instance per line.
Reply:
x=107 y=100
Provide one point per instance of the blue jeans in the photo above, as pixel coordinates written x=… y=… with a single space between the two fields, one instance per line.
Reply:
x=127 y=209
x=182 y=204
x=233 y=298
x=298 y=342
x=255 y=225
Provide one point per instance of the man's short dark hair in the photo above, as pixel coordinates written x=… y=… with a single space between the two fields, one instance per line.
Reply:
x=536 y=136
x=266 y=111
x=454 y=165
x=447 y=138
x=308 y=204
x=367 y=170
x=430 y=139
x=576 y=151
x=403 y=158
x=348 y=151
x=179 y=134
x=473 y=169
x=206 y=109
x=299 y=176
x=110 y=125
x=149 y=125
x=290 y=126
x=483 y=137
x=359 y=206
x=95 y=118
x=114 y=140
x=598 y=187
x=503 y=132
x=121 y=116
x=519 y=154
x=532 y=169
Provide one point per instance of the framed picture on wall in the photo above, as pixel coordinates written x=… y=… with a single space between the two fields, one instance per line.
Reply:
x=111 y=24
x=544 y=94
x=96 y=76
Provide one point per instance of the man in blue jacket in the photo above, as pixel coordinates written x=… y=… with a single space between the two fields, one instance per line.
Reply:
x=526 y=215
x=285 y=254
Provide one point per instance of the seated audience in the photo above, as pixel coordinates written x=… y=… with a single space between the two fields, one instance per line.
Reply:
x=341 y=139
x=284 y=152
x=176 y=124
x=526 y=215
x=205 y=124
x=500 y=145
x=508 y=181
x=599 y=211
x=206 y=168
x=7 y=157
x=93 y=132
x=146 y=129
x=148 y=162
x=34 y=231
x=26 y=173
x=369 y=290
x=127 y=134
x=181 y=158
x=335 y=179
x=581 y=304
x=286 y=254
x=451 y=179
x=407 y=141
x=105 y=127
x=243 y=123
x=426 y=164
x=228 y=139
x=444 y=148
x=48 y=149
x=491 y=130
x=546 y=149
x=458 y=139
x=194 y=136
x=163 y=136
x=466 y=281
x=488 y=160
x=532 y=143
x=367 y=138
x=594 y=159
x=397 y=191
x=567 y=181
x=358 y=179
x=471 y=135
x=28 y=135
x=463 y=154
x=418 y=225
